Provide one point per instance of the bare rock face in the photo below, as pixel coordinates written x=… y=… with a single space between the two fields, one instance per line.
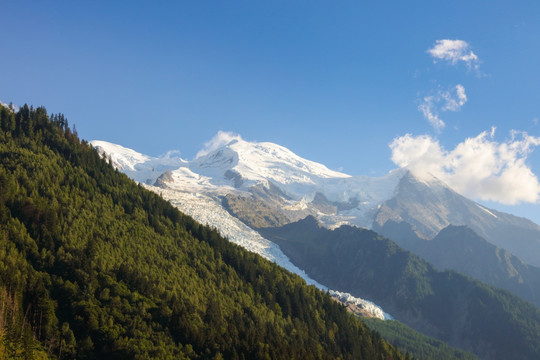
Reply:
x=254 y=213
x=163 y=179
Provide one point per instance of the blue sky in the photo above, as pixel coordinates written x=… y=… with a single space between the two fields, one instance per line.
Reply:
x=335 y=82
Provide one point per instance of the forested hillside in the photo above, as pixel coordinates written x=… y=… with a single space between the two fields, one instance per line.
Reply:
x=93 y=266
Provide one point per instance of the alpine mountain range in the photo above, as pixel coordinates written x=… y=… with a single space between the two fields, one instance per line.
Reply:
x=290 y=187
x=266 y=185
x=397 y=240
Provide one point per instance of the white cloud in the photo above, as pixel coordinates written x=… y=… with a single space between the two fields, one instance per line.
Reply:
x=454 y=103
x=478 y=167
x=222 y=138
x=171 y=154
x=454 y=51
x=427 y=107
x=535 y=121
x=448 y=100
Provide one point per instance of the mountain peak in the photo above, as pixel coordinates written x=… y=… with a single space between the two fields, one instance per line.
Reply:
x=260 y=162
x=221 y=139
x=310 y=221
x=421 y=177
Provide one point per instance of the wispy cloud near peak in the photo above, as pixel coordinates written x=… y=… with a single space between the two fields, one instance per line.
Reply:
x=478 y=167
x=222 y=138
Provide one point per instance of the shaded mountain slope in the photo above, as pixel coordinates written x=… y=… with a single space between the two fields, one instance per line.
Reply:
x=461 y=249
x=491 y=323
x=106 y=269
x=429 y=206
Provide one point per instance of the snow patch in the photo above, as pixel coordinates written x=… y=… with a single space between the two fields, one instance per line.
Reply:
x=371 y=307
x=486 y=210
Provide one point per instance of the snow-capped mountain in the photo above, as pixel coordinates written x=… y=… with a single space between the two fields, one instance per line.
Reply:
x=243 y=164
x=274 y=179
x=301 y=187
x=264 y=162
x=198 y=194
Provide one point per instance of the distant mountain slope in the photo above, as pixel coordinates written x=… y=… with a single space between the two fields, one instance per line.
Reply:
x=460 y=248
x=429 y=206
x=105 y=269
x=270 y=173
x=488 y=322
x=199 y=197
x=264 y=161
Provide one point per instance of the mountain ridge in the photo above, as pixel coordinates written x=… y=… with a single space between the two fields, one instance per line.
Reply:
x=366 y=200
x=271 y=174
x=459 y=248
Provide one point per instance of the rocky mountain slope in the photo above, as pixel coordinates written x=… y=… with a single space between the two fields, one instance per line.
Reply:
x=202 y=196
